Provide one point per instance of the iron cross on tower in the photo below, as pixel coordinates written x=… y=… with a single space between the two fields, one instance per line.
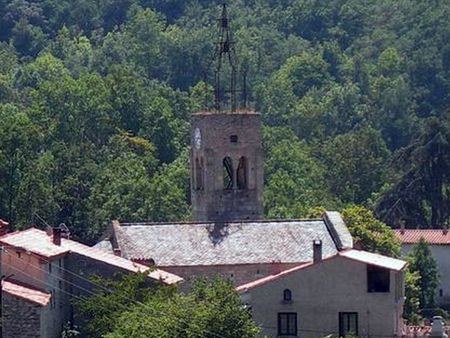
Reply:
x=225 y=52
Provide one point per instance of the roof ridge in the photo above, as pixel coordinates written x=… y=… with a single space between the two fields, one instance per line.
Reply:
x=222 y=222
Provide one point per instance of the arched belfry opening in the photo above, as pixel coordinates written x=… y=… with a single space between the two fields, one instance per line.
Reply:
x=198 y=171
x=241 y=174
x=226 y=148
x=228 y=179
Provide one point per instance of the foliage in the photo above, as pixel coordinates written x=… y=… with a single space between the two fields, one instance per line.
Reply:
x=211 y=308
x=294 y=181
x=423 y=263
x=373 y=235
x=412 y=295
x=361 y=99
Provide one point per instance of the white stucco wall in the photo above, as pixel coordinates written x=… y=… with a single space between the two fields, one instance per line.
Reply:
x=320 y=292
x=441 y=254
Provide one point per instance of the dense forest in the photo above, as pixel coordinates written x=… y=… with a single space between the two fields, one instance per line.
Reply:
x=96 y=97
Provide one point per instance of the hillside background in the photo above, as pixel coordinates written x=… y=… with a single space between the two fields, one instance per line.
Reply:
x=95 y=100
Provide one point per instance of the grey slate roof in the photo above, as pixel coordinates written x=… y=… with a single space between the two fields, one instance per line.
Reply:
x=249 y=242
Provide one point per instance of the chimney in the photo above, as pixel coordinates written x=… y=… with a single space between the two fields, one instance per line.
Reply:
x=402 y=226
x=275 y=267
x=56 y=235
x=317 y=251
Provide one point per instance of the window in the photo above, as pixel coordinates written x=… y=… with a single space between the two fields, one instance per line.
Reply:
x=441 y=293
x=227 y=173
x=49 y=267
x=52 y=299
x=287 y=295
x=242 y=173
x=233 y=138
x=377 y=279
x=287 y=324
x=60 y=286
x=19 y=254
x=348 y=324
x=198 y=174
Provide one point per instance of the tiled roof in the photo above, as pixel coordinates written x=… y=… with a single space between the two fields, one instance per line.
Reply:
x=40 y=243
x=251 y=242
x=25 y=292
x=431 y=236
x=374 y=259
x=356 y=255
x=271 y=278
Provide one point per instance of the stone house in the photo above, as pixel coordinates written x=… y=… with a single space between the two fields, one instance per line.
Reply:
x=52 y=269
x=352 y=292
x=28 y=303
x=439 y=243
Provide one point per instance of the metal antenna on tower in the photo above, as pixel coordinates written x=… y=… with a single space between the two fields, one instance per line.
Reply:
x=225 y=51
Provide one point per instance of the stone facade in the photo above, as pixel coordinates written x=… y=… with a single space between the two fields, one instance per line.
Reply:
x=29 y=325
x=226 y=166
x=238 y=274
x=323 y=291
x=45 y=275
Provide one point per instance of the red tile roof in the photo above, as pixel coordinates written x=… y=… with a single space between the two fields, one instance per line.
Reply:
x=40 y=243
x=25 y=292
x=431 y=236
x=356 y=255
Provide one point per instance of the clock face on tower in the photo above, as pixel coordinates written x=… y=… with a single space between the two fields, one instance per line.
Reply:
x=197 y=138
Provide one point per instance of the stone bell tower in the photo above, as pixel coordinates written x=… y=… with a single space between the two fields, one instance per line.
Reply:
x=226 y=155
x=226 y=166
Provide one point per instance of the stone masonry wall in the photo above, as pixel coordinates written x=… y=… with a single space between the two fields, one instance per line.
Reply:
x=20 y=318
x=239 y=274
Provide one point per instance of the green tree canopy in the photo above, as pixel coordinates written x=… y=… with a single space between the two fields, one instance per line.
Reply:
x=423 y=263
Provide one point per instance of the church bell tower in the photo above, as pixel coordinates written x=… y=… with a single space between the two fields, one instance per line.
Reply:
x=226 y=148
x=226 y=166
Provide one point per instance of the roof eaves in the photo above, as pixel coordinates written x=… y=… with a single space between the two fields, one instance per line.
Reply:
x=262 y=281
x=343 y=254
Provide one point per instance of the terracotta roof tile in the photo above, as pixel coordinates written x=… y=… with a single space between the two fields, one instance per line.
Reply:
x=40 y=243
x=431 y=236
x=26 y=292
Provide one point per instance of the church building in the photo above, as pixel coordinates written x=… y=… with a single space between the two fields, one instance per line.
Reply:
x=228 y=235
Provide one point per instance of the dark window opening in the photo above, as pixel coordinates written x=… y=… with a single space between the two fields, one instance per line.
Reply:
x=242 y=173
x=227 y=173
x=49 y=267
x=198 y=174
x=233 y=138
x=378 y=279
x=348 y=324
x=287 y=324
x=19 y=254
x=441 y=292
x=60 y=285
x=287 y=295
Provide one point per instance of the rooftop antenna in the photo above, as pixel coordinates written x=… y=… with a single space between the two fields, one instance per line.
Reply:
x=225 y=52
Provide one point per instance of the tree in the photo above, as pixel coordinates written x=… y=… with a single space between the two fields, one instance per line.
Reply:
x=422 y=261
x=356 y=164
x=294 y=179
x=212 y=308
x=412 y=295
x=421 y=194
x=373 y=235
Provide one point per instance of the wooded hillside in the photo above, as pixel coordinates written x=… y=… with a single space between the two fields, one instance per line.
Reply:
x=95 y=99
